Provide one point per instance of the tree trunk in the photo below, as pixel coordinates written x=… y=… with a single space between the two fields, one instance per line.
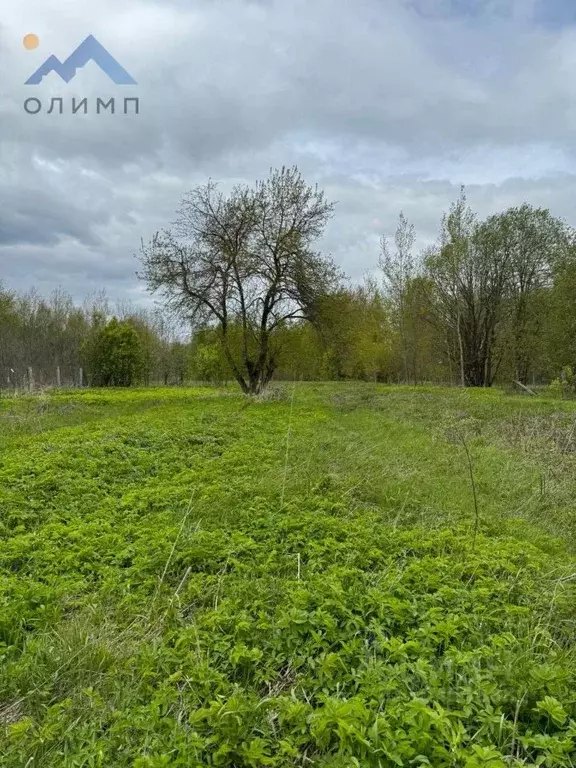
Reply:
x=461 y=347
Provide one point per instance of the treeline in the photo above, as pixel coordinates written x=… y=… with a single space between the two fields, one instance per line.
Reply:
x=46 y=341
x=492 y=301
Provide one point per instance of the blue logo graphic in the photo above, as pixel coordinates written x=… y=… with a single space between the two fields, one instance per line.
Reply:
x=89 y=50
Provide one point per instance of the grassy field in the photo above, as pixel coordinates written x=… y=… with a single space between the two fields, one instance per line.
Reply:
x=336 y=575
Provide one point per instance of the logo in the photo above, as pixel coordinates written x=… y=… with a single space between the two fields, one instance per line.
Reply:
x=89 y=50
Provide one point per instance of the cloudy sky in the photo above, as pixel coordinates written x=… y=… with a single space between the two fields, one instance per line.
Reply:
x=388 y=104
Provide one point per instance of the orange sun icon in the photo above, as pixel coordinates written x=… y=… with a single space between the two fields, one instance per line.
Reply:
x=31 y=42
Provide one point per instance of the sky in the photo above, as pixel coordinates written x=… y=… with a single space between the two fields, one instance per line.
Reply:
x=389 y=105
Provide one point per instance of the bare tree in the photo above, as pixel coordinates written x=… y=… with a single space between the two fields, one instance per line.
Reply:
x=244 y=264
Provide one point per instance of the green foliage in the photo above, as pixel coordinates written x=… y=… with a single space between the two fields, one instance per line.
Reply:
x=56 y=338
x=208 y=362
x=564 y=385
x=354 y=336
x=491 y=302
x=179 y=589
x=115 y=355
x=257 y=274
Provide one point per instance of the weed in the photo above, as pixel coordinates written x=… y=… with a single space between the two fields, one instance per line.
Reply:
x=188 y=581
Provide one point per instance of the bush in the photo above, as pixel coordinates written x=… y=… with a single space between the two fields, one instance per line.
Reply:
x=115 y=357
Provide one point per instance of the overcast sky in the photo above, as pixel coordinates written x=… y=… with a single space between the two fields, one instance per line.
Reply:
x=388 y=104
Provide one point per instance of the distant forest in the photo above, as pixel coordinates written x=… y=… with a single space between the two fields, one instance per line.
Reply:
x=493 y=301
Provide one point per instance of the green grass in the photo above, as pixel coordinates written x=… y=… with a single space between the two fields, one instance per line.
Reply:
x=188 y=578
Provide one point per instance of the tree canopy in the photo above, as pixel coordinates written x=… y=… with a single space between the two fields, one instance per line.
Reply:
x=245 y=260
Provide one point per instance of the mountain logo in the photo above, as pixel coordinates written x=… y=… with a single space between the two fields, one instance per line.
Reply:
x=89 y=50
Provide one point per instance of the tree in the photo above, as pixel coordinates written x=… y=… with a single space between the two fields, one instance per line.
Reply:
x=399 y=269
x=559 y=331
x=470 y=277
x=245 y=260
x=208 y=362
x=426 y=339
x=531 y=243
x=115 y=355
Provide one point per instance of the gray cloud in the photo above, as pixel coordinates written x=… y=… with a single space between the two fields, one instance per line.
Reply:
x=388 y=105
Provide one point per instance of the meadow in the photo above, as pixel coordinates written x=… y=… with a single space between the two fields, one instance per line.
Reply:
x=329 y=575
